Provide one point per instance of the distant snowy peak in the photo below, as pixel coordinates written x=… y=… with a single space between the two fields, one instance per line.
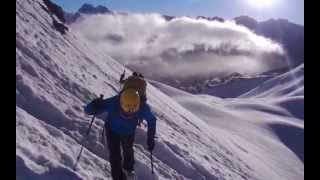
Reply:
x=90 y=9
x=229 y=86
x=215 y=18
x=289 y=34
x=86 y=9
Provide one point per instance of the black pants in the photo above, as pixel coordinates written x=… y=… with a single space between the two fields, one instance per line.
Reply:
x=115 y=157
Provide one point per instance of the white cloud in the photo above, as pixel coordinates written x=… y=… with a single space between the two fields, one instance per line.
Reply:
x=181 y=47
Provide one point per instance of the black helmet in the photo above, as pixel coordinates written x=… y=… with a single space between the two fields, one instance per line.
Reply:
x=134 y=74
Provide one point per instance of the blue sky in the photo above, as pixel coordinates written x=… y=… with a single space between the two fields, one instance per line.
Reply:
x=293 y=10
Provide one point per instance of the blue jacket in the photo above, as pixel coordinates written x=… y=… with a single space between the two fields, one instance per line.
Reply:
x=119 y=123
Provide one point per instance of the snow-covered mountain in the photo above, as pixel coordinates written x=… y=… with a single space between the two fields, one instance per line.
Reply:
x=289 y=34
x=89 y=9
x=198 y=137
x=229 y=86
x=86 y=9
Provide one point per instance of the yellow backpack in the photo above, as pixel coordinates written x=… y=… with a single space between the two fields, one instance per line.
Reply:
x=136 y=83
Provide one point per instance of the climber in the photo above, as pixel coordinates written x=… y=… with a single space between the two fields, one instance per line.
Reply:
x=124 y=111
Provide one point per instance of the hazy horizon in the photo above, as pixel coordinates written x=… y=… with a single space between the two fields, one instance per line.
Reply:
x=280 y=9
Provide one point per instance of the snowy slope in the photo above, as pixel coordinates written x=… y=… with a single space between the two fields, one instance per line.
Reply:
x=56 y=75
x=256 y=126
x=285 y=91
x=288 y=84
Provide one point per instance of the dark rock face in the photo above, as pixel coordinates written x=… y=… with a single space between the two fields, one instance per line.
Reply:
x=60 y=27
x=247 y=21
x=168 y=18
x=215 y=18
x=56 y=10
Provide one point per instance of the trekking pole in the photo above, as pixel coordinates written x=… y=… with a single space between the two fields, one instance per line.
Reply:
x=102 y=135
x=122 y=79
x=84 y=138
x=151 y=162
